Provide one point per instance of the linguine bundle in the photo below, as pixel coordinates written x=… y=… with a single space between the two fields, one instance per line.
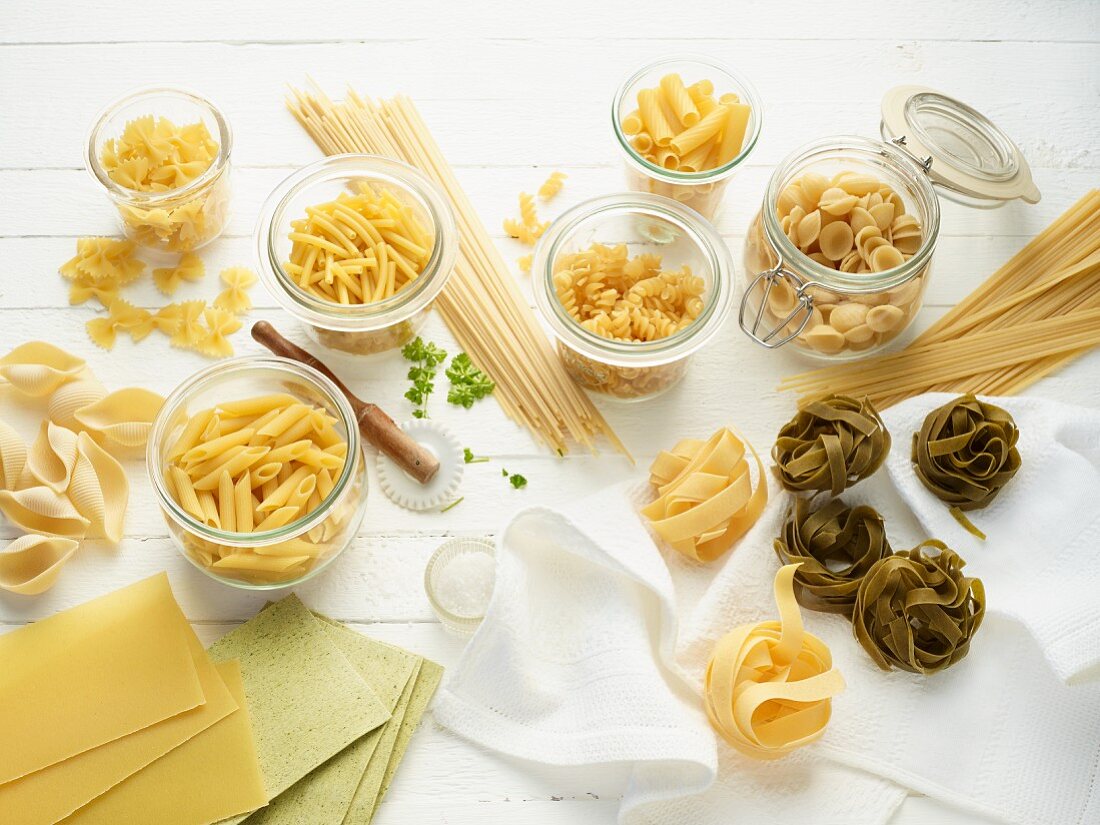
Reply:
x=481 y=303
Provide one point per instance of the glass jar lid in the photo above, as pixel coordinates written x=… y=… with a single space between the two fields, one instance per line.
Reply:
x=966 y=154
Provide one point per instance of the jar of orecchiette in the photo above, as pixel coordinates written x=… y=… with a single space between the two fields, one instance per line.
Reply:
x=162 y=156
x=258 y=468
x=839 y=256
x=631 y=285
x=684 y=126
x=357 y=247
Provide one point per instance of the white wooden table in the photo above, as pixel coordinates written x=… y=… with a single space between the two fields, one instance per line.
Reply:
x=512 y=91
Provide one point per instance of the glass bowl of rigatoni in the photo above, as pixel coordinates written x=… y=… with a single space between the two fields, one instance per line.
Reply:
x=258 y=468
x=684 y=126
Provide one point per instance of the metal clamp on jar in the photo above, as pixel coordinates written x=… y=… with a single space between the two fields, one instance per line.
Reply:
x=846 y=292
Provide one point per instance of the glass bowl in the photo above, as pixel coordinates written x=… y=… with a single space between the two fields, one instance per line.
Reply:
x=361 y=329
x=328 y=529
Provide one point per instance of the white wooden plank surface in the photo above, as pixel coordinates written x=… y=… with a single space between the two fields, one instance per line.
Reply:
x=512 y=91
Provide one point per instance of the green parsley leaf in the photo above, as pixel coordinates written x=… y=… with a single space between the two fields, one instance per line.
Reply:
x=517 y=481
x=468 y=383
x=468 y=457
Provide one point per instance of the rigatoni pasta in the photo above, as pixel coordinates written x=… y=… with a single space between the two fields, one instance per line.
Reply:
x=254 y=465
x=359 y=248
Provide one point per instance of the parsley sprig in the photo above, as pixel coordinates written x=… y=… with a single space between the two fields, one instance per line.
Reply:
x=468 y=383
x=426 y=358
x=468 y=457
x=515 y=479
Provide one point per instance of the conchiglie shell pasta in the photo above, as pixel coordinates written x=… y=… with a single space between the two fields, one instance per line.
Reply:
x=72 y=396
x=37 y=368
x=99 y=490
x=41 y=510
x=31 y=564
x=123 y=418
x=52 y=456
x=13 y=458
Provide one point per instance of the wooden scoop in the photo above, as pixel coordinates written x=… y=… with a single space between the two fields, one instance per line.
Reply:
x=377 y=427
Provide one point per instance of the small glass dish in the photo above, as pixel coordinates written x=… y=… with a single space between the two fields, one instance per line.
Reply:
x=175 y=220
x=439 y=574
x=646 y=224
x=328 y=529
x=703 y=190
x=360 y=329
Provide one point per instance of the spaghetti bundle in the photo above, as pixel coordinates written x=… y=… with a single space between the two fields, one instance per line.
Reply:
x=481 y=304
x=1031 y=317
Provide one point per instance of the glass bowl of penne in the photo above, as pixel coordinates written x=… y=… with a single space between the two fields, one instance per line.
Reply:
x=684 y=125
x=631 y=285
x=258 y=468
x=357 y=247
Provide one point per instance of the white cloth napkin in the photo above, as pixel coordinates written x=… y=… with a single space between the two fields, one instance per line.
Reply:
x=576 y=660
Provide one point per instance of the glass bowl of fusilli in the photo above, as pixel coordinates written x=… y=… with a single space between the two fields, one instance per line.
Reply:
x=631 y=285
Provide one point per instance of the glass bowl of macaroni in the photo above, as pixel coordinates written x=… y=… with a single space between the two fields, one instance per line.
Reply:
x=684 y=125
x=161 y=154
x=838 y=257
x=631 y=285
x=357 y=247
x=258 y=468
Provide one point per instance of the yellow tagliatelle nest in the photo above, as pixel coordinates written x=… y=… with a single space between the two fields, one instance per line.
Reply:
x=769 y=686
x=705 y=496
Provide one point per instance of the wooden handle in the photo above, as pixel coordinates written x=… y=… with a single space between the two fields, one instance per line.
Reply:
x=377 y=427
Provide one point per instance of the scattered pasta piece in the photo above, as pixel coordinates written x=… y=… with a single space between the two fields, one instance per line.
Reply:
x=123 y=418
x=255 y=465
x=705 y=496
x=916 y=611
x=552 y=185
x=104 y=259
x=189 y=330
x=524 y=262
x=220 y=323
x=190 y=268
x=32 y=563
x=121 y=315
x=37 y=368
x=42 y=510
x=627 y=298
x=13 y=459
x=83 y=287
x=522 y=232
x=52 y=456
x=99 y=489
x=359 y=248
x=234 y=298
x=769 y=686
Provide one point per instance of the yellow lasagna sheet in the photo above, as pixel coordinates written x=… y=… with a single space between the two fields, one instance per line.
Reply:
x=212 y=776
x=91 y=675
x=45 y=796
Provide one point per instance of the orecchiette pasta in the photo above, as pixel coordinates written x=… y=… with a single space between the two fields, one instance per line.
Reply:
x=31 y=564
x=856 y=224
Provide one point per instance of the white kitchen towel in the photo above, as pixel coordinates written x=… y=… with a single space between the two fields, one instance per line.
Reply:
x=572 y=667
x=572 y=664
x=1040 y=561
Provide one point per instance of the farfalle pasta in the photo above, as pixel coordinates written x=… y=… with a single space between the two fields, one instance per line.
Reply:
x=104 y=260
x=189 y=269
x=178 y=204
x=916 y=611
x=768 y=687
x=359 y=248
x=834 y=547
x=830 y=444
x=964 y=453
x=121 y=315
x=234 y=298
x=706 y=496
x=255 y=465
x=31 y=564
